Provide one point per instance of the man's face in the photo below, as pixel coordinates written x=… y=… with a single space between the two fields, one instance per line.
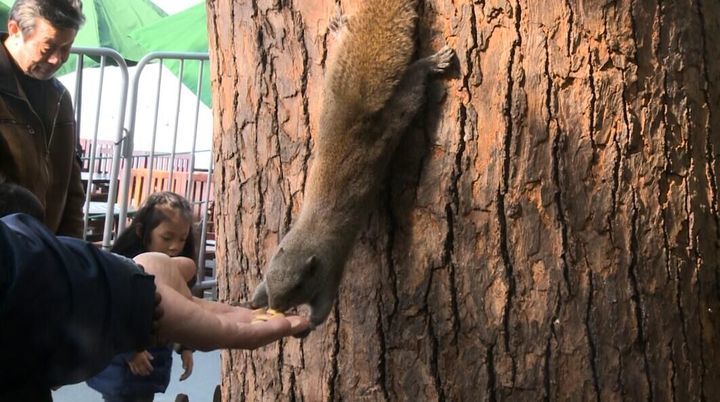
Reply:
x=43 y=51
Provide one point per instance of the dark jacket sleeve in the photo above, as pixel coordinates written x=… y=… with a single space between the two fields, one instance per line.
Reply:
x=71 y=223
x=66 y=307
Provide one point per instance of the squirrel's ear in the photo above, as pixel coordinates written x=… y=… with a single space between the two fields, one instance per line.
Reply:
x=310 y=264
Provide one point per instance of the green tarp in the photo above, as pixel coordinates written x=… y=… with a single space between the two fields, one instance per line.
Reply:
x=4 y=11
x=185 y=31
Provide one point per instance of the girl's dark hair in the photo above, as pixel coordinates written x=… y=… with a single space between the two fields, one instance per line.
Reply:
x=129 y=243
x=17 y=199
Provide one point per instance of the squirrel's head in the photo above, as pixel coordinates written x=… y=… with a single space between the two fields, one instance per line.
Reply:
x=289 y=279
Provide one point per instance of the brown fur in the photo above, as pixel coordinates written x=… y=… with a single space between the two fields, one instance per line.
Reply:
x=371 y=94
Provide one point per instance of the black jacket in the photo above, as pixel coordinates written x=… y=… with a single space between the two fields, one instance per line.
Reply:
x=66 y=307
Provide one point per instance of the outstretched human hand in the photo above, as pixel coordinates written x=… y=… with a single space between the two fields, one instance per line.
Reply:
x=205 y=325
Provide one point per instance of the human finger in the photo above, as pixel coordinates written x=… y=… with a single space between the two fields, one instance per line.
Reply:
x=261 y=333
x=188 y=369
x=158 y=312
x=146 y=362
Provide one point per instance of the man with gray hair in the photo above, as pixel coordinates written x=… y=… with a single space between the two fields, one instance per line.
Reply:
x=36 y=115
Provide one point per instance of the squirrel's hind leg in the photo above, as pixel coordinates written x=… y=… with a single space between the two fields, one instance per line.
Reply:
x=440 y=61
x=337 y=21
x=409 y=95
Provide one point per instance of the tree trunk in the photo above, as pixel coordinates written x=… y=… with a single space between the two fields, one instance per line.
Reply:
x=549 y=228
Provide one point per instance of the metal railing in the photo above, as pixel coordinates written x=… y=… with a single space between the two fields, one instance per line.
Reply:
x=104 y=54
x=123 y=150
x=160 y=58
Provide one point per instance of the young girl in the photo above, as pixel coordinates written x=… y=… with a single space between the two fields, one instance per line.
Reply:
x=162 y=224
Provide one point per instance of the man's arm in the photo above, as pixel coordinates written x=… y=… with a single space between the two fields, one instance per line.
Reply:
x=86 y=305
x=72 y=219
x=71 y=223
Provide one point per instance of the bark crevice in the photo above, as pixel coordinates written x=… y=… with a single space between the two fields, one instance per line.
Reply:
x=263 y=67
x=236 y=77
x=570 y=22
x=292 y=391
x=664 y=181
x=546 y=365
x=592 y=101
x=592 y=348
x=548 y=347
x=432 y=337
x=304 y=76
x=451 y=209
x=504 y=188
x=701 y=340
x=709 y=147
x=636 y=296
x=673 y=372
x=696 y=260
x=382 y=355
x=492 y=376
x=281 y=362
x=557 y=148
x=434 y=367
x=335 y=356
x=472 y=49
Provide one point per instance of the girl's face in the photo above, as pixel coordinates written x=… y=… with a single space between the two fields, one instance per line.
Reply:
x=169 y=236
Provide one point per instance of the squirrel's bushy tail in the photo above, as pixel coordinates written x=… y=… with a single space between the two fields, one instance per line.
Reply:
x=372 y=55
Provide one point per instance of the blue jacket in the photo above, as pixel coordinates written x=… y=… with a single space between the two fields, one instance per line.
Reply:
x=66 y=307
x=118 y=380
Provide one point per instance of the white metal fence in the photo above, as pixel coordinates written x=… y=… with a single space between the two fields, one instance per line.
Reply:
x=122 y=176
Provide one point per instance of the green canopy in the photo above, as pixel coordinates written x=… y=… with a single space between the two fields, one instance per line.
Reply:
x=4 y=11
x=107 y=23
x=185 y=31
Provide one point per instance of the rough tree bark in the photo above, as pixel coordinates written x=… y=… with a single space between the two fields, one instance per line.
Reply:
x=549 y=228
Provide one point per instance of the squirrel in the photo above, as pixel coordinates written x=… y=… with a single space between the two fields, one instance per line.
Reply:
x=372 y=92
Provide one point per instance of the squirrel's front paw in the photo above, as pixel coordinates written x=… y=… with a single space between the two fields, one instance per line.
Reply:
x=260 y=297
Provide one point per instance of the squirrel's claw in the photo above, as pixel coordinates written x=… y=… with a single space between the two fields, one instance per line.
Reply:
x=337 y=21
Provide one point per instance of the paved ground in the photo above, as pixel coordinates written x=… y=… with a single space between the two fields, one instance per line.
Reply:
x=199 y=387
